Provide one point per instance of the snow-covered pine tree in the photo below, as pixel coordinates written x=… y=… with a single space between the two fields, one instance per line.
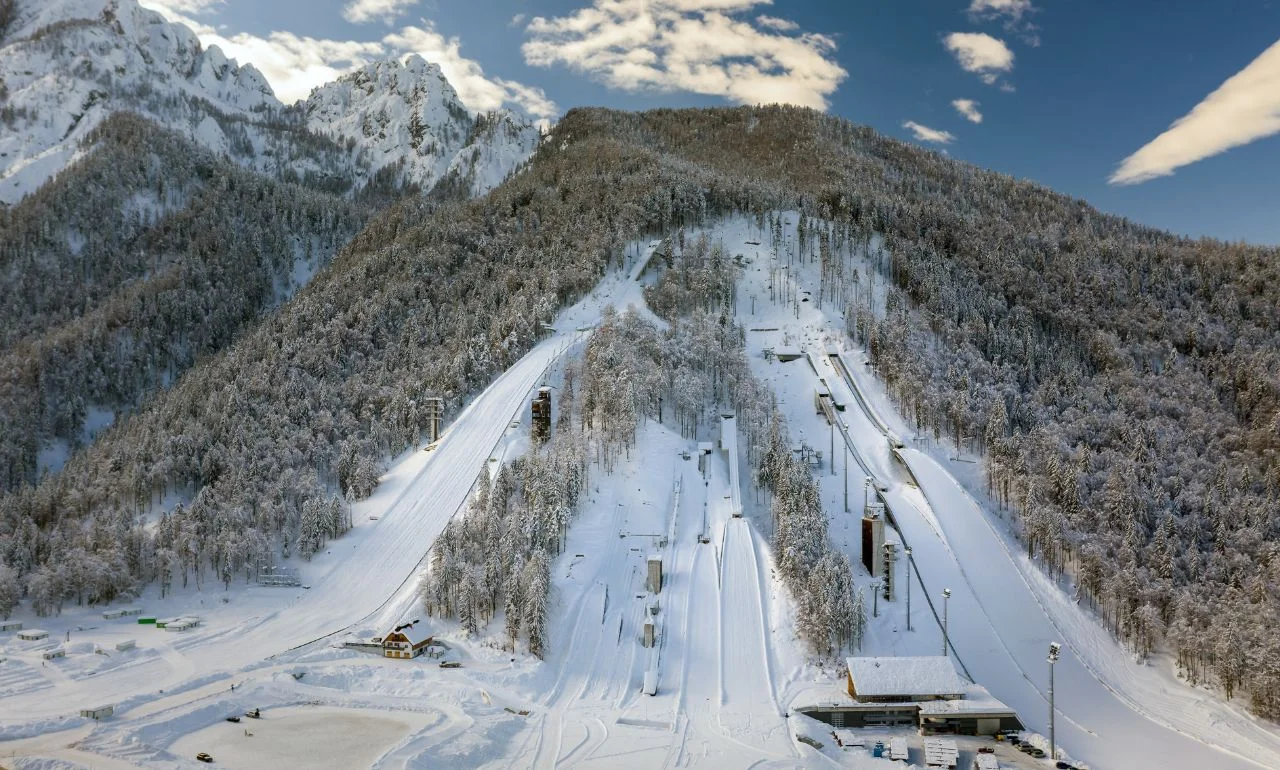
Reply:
x=10 y=590
x=536 y=593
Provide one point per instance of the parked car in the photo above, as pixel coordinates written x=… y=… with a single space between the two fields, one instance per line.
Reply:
x=986 y=750
x=1038 y=753
x=450 y=664
x=233 y=719
x=203 y=757
x=1065 y=765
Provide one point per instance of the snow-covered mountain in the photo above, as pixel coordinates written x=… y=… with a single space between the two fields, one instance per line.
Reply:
x=68 y=64
x=65 y=65
x=406 y=114
x=499 y=142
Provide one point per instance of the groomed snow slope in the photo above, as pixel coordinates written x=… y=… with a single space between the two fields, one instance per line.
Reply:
x=1166 y=737
x=998 y=625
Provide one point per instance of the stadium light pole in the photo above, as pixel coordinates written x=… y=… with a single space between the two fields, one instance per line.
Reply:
x=908 y=588
x=946 y=594
x=1055 y=650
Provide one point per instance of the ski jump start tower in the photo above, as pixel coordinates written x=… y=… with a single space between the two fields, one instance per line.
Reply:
x=435 y=418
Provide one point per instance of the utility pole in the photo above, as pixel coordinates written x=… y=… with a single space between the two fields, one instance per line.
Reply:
x=832 y=413
x=846 y=479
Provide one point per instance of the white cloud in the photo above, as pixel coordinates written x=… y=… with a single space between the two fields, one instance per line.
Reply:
x=386 y=11
x=477 y=90
x=1015 y=14
x=517 y=20
x=1243 y=109
x=1014 y=9
x=968 y=108
x=699 y=46
x=172 y=8
x=926 y=134
x=773 y=22
x=980 y=53
x=294 y=65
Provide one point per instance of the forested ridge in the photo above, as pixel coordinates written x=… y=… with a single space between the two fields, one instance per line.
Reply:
x=427 y=300
x=1121 y=382
x=144 y=255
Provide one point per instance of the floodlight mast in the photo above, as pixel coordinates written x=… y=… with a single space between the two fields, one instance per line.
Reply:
x=946 y=641
x=909 y=565
x=1055 y=652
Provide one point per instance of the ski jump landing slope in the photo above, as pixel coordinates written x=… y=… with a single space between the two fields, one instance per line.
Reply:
x=372 y=582
x=1001 y=632
x=1108 y=725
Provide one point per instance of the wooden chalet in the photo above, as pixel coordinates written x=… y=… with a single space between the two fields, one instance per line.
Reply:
x=406 y=641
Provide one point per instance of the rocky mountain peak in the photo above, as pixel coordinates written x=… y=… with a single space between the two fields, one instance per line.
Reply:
x=65 y=65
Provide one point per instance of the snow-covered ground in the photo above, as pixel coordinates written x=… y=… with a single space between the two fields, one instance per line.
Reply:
x=364 y=581
x=714 y=703
x=724 y=630
x=1003 y=612
x=728 y=667
x=304 y=735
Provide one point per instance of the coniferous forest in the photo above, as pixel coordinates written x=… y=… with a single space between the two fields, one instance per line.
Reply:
x=1121 y=384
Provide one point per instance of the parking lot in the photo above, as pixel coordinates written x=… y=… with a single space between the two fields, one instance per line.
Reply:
x=1008 y=755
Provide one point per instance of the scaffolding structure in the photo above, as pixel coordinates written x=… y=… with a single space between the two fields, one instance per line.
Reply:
x=274 y=575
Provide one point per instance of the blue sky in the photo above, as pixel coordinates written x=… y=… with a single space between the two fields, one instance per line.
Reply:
x=1079 y=95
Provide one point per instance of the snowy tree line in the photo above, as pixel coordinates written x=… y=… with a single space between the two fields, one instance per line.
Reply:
x=830 y=610
x=497 y=557
x=700 y=277
x=704 y=359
